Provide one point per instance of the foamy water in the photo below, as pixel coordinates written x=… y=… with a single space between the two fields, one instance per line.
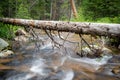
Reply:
x=95 y=63
x=39 y=67
x=69 y=75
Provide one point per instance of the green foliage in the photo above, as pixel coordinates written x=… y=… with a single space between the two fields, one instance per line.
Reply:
x=80 y=16
x=109 y=20
x=101 y=10
x=40 y=9
x=23 y=12
x=105 y=19
x=7 y=31
x=1 y=12
x=116 y=19
x=88 y=10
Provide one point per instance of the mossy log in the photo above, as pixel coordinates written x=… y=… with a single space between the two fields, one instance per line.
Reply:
x=100 y=29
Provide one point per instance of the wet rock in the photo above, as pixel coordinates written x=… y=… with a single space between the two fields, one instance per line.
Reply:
x=112 y=67
x=3 y=49
x=16 y=45
x=20 y=32
x=6 y=53
x=116 y=70
x=114 y=59
x=21 y=38
x=19 y=42
x=94 y=52
x=3 y=44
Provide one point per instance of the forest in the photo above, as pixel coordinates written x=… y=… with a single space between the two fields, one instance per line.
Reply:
x=105 y=11
x=87 y=10
x=59 y=39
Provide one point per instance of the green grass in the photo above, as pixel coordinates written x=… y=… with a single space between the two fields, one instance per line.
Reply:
x=82 y=18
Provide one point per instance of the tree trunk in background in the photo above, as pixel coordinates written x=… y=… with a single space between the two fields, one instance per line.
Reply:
x=56 y=9
x=59 y=9
x=73 y=8
x=51 y=9
x=101 y=29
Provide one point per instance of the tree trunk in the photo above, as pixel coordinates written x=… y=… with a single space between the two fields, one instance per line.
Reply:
x=100 y=29
x=73 y=8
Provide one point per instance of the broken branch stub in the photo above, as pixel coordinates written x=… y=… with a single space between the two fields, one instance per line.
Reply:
x=100 y=29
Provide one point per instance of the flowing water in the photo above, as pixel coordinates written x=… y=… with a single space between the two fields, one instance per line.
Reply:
x=48 y=63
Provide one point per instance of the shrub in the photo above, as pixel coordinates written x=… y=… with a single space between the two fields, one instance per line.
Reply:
x=7 y=31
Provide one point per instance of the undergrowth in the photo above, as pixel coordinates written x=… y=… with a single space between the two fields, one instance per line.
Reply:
x=7 y=31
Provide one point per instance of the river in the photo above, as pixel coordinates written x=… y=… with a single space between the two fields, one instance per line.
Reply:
x=35 y=61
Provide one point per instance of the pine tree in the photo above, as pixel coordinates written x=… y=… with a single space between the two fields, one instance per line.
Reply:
x=23 y=12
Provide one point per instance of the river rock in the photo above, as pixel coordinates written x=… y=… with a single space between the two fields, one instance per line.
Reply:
x=21 y=38
x=20 y=32
x=95 y=51
x=6 y=53
x=116 y=70
x=114 y=59
x=21 y=35
x=3 y=44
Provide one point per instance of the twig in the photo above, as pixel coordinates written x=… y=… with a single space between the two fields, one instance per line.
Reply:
x=86 y=42
x=32 y=32
x=66 y=38
x=51 y=37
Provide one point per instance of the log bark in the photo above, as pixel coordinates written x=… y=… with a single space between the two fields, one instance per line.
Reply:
x=100 y=29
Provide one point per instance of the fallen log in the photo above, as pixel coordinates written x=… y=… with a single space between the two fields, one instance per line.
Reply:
x=100 y=29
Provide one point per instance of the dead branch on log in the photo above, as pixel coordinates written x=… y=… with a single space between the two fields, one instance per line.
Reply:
x=63 y=38
x=51 y=37
x=66 y=38
x=84 y=41
x=35 y=36
x=90 y=47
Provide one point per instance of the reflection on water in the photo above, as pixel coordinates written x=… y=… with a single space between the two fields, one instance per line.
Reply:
x=57 y=64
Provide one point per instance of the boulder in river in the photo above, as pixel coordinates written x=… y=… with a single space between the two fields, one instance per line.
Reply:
x=6 y=53
x=20 y=32
x=3 y=44
x=94 y=51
